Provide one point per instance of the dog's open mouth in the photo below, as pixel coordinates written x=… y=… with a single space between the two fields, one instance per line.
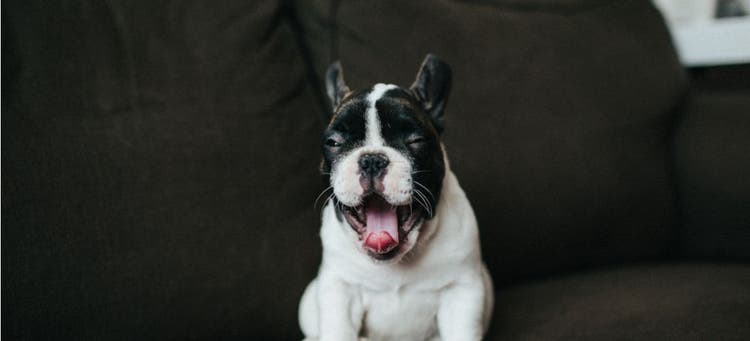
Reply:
x=382 y=226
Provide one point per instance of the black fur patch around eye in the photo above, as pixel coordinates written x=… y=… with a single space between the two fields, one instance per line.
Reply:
x=401 y=118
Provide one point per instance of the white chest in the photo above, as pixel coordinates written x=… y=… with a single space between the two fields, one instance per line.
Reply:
x=399 y=314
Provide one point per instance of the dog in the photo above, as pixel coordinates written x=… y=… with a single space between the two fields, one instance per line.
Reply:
x=401 y=255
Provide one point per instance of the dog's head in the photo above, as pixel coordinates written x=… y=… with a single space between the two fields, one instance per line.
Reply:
x=383 y=158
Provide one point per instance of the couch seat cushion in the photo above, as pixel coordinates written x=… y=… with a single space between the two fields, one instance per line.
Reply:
x=682 y=301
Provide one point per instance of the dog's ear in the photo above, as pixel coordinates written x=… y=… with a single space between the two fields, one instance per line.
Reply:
x=335 y=85
x=432 y=87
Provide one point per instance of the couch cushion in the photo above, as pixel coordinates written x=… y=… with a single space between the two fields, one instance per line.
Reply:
x=684 y=301
x=557 y=126
x=712 y=150
x=159 y=169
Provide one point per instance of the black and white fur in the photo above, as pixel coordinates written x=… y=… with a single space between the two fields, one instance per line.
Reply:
x=433 y=284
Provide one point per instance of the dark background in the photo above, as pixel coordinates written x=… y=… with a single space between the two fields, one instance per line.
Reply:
x=160 y=162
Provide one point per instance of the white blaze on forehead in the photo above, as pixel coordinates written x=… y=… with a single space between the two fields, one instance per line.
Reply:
x=397 y=182
x=373 y=137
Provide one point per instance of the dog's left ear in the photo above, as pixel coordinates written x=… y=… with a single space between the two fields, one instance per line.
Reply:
x=335 y=85
x=432 y=87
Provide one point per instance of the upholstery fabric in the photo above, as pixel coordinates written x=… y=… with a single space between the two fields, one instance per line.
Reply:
x=159 y=171
x=663 y=301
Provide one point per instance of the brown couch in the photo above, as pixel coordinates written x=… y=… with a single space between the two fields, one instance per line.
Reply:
x=159 y=164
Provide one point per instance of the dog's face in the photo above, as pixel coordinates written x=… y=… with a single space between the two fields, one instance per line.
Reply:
x=383 y=159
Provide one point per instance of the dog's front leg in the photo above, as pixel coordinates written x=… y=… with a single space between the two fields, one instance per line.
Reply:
x=340 y=313
x=460 y=315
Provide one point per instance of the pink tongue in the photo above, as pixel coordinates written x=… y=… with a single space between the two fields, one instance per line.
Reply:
x=382 y=226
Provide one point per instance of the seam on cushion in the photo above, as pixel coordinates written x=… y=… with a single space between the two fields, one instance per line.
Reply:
x=291 y=15
x=124 y=44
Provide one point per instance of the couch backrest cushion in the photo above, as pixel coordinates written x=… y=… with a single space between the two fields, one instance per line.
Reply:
x=558 y=123
x=159 y=170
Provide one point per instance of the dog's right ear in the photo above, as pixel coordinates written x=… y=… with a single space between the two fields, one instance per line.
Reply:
x=335 y=85
x=432 y=87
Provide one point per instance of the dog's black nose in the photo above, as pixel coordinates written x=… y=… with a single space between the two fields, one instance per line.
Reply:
x=373 y=165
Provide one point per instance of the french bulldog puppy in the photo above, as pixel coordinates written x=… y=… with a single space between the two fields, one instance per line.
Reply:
x=401 y=255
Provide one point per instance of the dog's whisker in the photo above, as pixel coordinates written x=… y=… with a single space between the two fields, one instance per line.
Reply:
x=325 y=203
x=315 y=203
x=432 y=210
x=416 y=198
x=422 y=202
x=428 y=207
x=426 y=189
